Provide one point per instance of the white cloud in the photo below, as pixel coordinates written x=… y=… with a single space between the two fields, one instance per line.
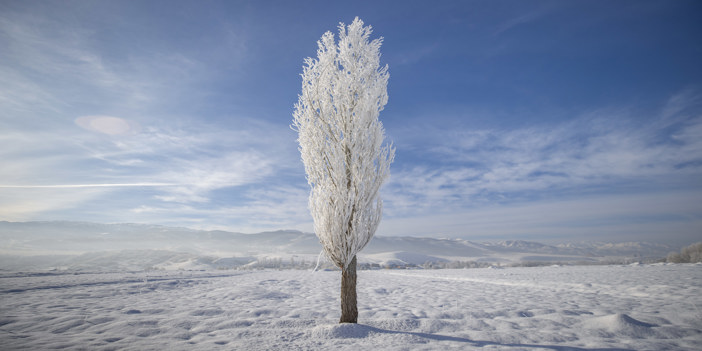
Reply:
x=200 y=176
x=266 y=207
x=188 y=163
x=593 y=151
x=57 y=62
x=107 y=125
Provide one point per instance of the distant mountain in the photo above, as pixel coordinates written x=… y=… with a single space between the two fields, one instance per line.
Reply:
x=95 y=246
x=633 y=249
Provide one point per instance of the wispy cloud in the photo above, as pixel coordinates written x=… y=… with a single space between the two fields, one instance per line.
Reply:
x=609 y=150
x=520 y=20
x=107 y=124
x=201 y=176
x=187 y=165
x=257 y=208
x=57 y=63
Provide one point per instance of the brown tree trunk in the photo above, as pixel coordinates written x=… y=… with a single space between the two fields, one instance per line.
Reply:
x=349 y=310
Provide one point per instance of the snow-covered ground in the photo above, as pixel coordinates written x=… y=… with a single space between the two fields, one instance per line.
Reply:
x=636 y=307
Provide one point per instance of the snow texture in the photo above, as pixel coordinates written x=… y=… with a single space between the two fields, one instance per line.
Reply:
x=634 y=307
x=341 y=139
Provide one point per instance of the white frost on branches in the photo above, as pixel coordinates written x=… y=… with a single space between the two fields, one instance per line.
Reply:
x=341 y=139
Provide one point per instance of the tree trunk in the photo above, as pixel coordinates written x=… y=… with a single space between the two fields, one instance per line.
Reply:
x=349 y=310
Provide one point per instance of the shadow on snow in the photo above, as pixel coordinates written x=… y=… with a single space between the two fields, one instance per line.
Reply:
x=362 y=331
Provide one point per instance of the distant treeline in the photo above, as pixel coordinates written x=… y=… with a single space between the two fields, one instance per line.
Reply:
x=278 y=263
x=688 y=254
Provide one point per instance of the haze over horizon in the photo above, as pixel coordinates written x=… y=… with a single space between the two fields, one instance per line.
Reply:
x=534 y=120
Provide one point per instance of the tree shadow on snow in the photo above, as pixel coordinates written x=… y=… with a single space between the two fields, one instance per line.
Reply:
x=478 y=343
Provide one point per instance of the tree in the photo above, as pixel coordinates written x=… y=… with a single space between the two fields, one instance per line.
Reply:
x=688 y=254
x=342 y=147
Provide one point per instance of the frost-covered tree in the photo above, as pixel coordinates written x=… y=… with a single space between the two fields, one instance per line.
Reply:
x=688 y=254
x=342 y=146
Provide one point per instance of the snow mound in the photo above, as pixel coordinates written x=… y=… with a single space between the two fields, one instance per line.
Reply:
x=342 y=331
x=622 y=324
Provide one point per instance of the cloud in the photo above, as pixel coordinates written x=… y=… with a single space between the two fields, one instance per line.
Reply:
x=57 y=61
x=107 y=125
x=520 y=20
x=258 y=208
x=154 y=167
x=599 y=152
x=199 y=177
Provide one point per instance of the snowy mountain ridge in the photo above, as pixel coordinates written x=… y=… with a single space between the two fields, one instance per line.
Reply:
x=82 y=245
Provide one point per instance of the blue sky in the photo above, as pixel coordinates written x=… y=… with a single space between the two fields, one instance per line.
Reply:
x=538 y=120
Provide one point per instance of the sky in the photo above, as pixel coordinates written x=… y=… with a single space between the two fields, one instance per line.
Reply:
x=534 y=120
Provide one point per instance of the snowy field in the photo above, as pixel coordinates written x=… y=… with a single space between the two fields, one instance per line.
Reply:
x=637 y=307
